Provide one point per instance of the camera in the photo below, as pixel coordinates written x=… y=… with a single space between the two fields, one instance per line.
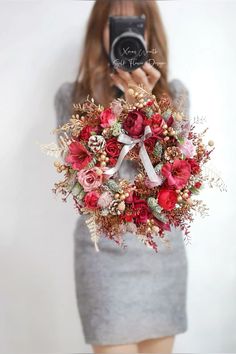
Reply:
x=128 y=49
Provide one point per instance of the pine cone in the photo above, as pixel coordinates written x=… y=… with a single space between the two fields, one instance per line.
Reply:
x=113 y=208
x=96 y=143
x=172 y=153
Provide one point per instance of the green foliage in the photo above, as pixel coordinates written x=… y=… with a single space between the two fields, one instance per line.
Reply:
x=157 y=149
x=180 y=139
x=166 y=115
x=113 y=186
x=92 y=163
x=116 y=129
x=156 y=209
x=77 y=188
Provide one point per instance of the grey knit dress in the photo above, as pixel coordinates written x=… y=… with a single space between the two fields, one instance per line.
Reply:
x=126 y=295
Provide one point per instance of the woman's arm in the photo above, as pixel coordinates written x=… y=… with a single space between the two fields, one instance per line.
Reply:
x=63 y=103
x=180 y=96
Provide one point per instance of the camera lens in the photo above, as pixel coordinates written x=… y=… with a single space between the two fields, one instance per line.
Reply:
x=128 y=51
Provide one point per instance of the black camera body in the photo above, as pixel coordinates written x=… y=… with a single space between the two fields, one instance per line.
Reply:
x=128 y=49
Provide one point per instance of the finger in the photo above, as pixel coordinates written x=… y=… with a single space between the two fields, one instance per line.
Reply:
x=153 y=74
x=140 y=76
x=118 y=82
x=126 y=77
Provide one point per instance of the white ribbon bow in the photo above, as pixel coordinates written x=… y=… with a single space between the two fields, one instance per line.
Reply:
x=129 y=144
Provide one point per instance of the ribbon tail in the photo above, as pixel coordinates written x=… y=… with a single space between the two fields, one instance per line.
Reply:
x=123 y=153
x=148 y=165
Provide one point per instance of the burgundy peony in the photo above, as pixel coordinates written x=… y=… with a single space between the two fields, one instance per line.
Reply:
x=78 y=156
x=177 y=173
x=134 y=124
x=167 y=198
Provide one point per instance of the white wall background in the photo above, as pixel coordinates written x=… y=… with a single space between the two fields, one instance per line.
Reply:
x=40 y=46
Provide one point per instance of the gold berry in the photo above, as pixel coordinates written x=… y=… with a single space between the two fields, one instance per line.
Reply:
x=57 y=164
x=131 y=91
x=121 y=206
x=211 y=143
x=102 y=157
x=190 y=202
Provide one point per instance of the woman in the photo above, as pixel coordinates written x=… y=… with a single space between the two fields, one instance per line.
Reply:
x=129 y=300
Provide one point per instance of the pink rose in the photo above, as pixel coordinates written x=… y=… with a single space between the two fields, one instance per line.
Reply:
x=107 y=118
x=90 y=179
x=187 y=148
x=116 y=107
x=91 y=200
x=134 y=124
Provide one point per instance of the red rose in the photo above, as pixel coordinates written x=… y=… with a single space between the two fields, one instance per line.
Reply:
x=150 y=103
x=167 y=198
x=142 y=212
x=107 y=118
x=141 y=208
x=112 y=147
x=177 y=173
x=156 y=123
x=195 y=168
x=134 y=124
x=91 y=200
x=150 y=144
x=86 y=132
x=197 y=185
x=128 y=217
x=112 y=161
x=78 y=156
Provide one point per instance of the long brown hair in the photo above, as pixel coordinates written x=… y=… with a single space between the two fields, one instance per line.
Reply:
x=93 y=76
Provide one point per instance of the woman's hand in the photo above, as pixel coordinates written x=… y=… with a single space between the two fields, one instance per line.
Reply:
x=146 y=75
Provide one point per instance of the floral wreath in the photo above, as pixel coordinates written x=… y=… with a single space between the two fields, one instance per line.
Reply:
x=169 y=154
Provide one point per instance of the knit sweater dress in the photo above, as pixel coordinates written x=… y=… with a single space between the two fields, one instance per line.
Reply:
x=126 y=295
